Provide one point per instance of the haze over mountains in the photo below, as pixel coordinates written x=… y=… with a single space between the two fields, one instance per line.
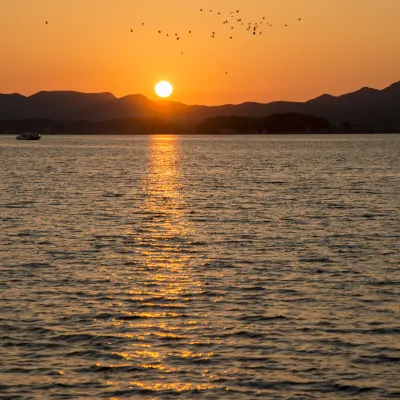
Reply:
x=366 y=108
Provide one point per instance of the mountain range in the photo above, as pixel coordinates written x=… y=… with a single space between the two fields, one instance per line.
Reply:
x=366 y=108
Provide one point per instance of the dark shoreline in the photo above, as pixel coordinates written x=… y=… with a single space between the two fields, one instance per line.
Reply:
x=289 y=123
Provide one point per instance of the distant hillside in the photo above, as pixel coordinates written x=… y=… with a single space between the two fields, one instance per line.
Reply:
x=366 y=108
x=56 y=105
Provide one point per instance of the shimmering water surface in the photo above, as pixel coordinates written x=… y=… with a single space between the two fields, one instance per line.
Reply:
x=200 y=267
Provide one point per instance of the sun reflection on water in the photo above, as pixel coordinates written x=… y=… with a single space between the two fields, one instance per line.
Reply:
x=161 y=281
x=165 y=228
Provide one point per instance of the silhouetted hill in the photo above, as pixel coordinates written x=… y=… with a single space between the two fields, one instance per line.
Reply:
x=57 y=104
x=132 y=106
x=363 y=97
x=323 y=99
x=366 y=108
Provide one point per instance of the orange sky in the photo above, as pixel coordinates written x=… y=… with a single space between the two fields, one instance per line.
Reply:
x=339 y=46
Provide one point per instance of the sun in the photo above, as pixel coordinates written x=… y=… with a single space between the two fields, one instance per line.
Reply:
x=163 y=89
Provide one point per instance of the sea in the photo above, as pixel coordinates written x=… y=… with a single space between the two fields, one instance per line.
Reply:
x=200 y=267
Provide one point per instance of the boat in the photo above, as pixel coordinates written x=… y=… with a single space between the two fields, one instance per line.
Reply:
x=28 y=136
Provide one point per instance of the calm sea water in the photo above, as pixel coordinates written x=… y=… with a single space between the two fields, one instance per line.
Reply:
x=200 y=267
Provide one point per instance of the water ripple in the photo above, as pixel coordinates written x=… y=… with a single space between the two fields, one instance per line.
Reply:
x=200 y=268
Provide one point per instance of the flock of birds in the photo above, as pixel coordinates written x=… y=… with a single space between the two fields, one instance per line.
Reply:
x=253 y=26
x=234 y=21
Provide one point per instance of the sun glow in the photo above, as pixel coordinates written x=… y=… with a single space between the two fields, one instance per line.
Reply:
x=163 y=89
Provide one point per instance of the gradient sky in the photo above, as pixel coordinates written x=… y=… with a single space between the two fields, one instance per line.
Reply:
x=339 y=46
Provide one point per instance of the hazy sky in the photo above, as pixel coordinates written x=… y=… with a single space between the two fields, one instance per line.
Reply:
x=339 y=46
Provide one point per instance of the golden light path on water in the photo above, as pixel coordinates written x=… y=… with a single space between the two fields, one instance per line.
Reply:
x=161 y=279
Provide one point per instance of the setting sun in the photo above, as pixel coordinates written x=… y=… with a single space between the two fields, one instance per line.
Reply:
x=163 y=89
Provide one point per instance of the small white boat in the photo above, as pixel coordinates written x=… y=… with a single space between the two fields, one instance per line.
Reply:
x=28 y=136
